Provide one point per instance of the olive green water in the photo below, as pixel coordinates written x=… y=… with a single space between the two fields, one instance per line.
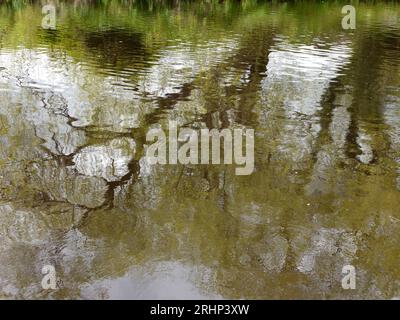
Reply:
x=77 y=193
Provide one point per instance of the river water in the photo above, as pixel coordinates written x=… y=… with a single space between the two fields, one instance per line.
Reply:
x=77 y=193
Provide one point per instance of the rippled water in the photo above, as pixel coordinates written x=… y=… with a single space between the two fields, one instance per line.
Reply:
x=76 y=191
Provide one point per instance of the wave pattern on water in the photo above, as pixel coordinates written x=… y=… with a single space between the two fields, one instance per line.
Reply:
x=77 y=192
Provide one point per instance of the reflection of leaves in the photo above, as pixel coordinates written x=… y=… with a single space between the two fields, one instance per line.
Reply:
x=116 y=47
x=61 y=184
x=3 y=125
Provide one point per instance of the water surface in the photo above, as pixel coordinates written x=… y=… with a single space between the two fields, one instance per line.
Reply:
x=76 y=191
